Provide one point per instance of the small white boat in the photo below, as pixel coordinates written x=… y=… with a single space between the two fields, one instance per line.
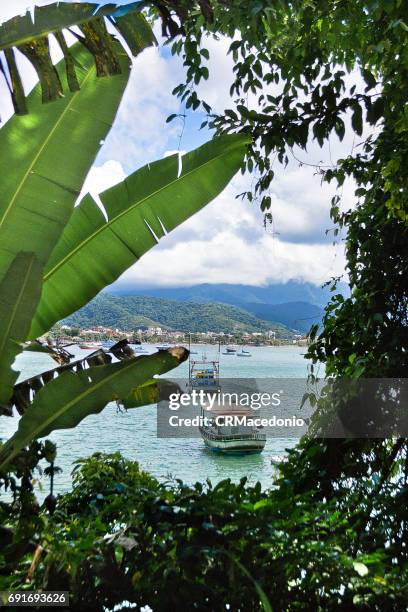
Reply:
x=139 y=349
x=236 y=438
x=230 y=350
x=90 y=346
x=244 y=353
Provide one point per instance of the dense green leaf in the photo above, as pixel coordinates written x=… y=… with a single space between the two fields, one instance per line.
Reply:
x=93 y=252
x=266 y=606
x=65 y=401
x=357 y=119
x=20 y=291
x=46 y=156
x=136 y=31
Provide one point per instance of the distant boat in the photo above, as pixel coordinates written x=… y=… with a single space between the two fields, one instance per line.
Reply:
x=244 y=353
x=139 y=349
x=90 y=346
x=229 y=350
x=206 y=376
x=163 y=347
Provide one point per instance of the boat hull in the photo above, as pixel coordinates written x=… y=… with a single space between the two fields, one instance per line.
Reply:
x=90 y=347
x=242 y=445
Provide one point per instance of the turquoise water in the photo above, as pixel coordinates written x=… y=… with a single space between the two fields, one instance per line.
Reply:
x=134 y=432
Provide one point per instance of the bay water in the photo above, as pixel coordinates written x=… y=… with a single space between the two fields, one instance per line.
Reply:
x=133 y=432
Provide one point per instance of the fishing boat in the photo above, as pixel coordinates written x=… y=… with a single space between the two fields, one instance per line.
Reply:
x=90 y=346
x=228 y=430
x=218 y=434
x=203 y=373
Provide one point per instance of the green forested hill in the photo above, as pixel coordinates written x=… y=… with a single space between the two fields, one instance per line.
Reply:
x=131 y=312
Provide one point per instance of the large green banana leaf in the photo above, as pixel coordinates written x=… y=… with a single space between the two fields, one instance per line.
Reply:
x=46 y=155
x=65 y=401
x=55 y=17
x=93 y=252
x=20 y=291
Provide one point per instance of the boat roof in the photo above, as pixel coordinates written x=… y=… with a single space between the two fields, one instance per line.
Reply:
x=231 y=410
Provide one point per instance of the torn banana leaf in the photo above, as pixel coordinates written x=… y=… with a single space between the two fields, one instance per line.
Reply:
x=150 y=393
x=25 y=391
x=67 y=400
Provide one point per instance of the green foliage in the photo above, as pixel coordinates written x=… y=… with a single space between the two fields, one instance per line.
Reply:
x=129 y=312
x=297 y=60
x=55 y=17
x=332 y=533
x=121 y=535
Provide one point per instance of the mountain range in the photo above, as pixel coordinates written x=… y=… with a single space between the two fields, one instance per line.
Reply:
x=274 y=293
x=133 y=312
x=297 y=305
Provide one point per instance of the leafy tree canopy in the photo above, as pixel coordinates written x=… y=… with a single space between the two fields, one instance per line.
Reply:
x=298 y=62
x=120 y=535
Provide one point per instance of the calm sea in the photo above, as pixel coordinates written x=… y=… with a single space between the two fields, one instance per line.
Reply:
x=134 y=432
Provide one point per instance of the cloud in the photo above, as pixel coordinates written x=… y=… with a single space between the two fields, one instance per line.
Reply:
x=102 y=177
x=226 y=242
x=140 y=133
x=227 y=257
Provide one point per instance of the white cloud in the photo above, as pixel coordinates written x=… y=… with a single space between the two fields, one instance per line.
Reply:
x=226 y=242
x=140 y=132
x=102 y=177
x=227 y=257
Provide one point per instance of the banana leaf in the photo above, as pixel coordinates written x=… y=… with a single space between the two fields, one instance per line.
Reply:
x=20 y=292
x=25 y=391
x=150 y=392
x=57 y=16
x=93 y=252
x=57 y=353
x=46 y=155
x=66 y=400
x=29 y=34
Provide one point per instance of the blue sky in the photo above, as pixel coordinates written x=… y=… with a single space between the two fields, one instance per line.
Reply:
x=226 y=242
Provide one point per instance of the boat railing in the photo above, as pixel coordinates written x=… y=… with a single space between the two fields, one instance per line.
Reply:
x=226 y=438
